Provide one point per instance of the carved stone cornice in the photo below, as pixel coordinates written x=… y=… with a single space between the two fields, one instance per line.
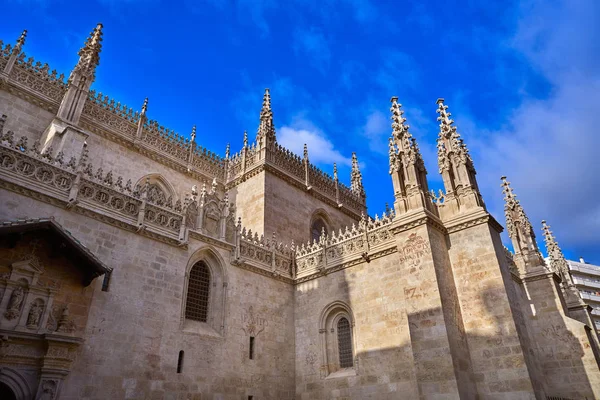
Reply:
x=265 y=165
x=412 y=220
x=467 y=220
x=250 y=266
x=210 y=240
x=358 y=259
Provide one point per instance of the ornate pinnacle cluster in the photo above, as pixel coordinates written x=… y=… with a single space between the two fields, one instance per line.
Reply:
x=356 y=177
x=515 y=213
x=402 y=143
x=266 y=128
x=89 y=55
x=558 y=263
x=449 y=141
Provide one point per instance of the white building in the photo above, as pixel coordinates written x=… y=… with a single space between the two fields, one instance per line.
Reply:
x=587 y=279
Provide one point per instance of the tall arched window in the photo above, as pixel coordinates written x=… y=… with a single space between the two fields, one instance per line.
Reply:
x=344 y=336
x=337 y=328
x=198 y=293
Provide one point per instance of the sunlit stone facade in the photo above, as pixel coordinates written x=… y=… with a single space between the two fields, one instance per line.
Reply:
x=136 y=264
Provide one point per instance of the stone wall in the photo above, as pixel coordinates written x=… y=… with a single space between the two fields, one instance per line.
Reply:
x=289 y=210
x=24 y=118
x=133 y=335
x=384 y=361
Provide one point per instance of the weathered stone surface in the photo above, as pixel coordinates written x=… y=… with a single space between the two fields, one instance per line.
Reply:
x=423 y=302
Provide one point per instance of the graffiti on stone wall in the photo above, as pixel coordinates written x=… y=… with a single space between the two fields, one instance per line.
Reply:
x=253 y=324
x=415 y=247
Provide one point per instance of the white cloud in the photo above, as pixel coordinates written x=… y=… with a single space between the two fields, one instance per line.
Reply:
x=320 y=149
x=548 y=148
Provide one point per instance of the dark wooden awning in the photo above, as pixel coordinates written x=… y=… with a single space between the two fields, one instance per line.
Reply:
x=80 y=255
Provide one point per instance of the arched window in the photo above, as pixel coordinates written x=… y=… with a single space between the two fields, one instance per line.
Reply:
x=318 y=224
x=198 y=293
x=344 y=336
x=337 y=328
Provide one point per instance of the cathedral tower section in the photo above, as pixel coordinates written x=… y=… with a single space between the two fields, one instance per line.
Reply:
x=64 y=134
x=278 y=191
x=407 y=168
x=455 y=165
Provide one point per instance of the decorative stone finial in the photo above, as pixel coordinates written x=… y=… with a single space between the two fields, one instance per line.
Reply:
x=227 y=150
x=145 y=106
x=305 y=152
x=245 y=139
x=356 y=184
x=517 y=222
x=558 y=263
x=89 y=55
x=335 y=171
x=193 y=135
x=20 y=42
x=266 y=128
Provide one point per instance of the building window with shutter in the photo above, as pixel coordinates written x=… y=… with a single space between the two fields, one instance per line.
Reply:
x=344 y=338
x=198 y=293
x=337 y=328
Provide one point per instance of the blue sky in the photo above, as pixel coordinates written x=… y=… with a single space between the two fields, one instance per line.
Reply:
x=521 y=79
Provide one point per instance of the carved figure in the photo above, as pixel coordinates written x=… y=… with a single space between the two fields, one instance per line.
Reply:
x=33 y=319
x=14 y=305
x=48 y=390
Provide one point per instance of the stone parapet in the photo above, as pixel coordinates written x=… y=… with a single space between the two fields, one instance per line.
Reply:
x=370 y=239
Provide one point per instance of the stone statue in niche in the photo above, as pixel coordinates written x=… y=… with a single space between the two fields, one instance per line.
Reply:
x=65 y=323
x=14 y=304
x=47 y=390
x=35 y=313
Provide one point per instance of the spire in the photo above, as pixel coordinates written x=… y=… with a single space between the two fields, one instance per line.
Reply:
x=455 y=164
x=20 y=42
x=520 y=231
x=356 y=178
x=558 y=263
x=335 y=172
x=266 y=128
x=16 y=51
x=193 y=134
x=305 y=152
x=407 y=168
x=245 y=139
x=227 y=150
x=450 y=139
x=89 y=55
x=145 y=106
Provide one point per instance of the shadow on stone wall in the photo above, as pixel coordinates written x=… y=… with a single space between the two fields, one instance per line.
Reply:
x=418 y=363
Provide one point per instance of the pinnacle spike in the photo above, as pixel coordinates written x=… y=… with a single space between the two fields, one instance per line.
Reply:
x=145 y=106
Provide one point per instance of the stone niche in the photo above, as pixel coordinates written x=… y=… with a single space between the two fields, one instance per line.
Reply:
x=44 y=303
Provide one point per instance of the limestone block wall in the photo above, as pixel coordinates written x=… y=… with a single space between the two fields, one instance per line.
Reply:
x=496 y=352
x=249 y=198
x=133 y=335
x=24 y=118
x=563 y=347
x=111 y=156
x=384 y=364
x=288 y=211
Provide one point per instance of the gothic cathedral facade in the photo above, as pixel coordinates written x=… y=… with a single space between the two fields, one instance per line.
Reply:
x=136 y=264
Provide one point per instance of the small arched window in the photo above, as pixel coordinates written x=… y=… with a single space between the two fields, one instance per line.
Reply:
x=196 y=305
x=316 y=229
x=344 y=336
